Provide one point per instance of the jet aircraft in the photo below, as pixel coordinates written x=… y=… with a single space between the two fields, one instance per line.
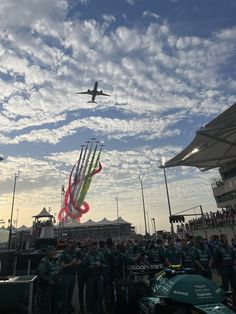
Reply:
x=94 y=93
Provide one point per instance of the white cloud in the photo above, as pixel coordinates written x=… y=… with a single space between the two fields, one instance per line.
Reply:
x=108 y=18
x=132 y=2
x=111 y=128
x=139 y=64
x=112 y=182
x=84 y=2
x=151 y=14
x=45 y=59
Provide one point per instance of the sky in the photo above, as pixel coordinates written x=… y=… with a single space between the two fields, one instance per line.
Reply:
x=169 y=66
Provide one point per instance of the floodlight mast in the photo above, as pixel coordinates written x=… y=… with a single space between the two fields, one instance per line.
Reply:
x=167 y=196
x=118 y=216
x=144 y=210
x=12 y=208
x=154 y=226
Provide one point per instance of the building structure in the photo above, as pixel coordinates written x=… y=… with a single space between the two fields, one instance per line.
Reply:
x=224 y=188
x=214 y=146
x=43 y=225
x=100 y=230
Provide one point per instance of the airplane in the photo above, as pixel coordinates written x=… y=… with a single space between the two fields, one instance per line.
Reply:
x=94 y=93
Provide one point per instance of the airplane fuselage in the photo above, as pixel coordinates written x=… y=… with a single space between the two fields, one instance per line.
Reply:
x=94 y=92
x=95 y=88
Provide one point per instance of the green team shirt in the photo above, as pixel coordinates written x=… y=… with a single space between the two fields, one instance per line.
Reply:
x=80 y=254
x=66 y=257
x=48 y=270
x=156 y=255
x=224 y=256
x=173 y=255
x=90 y=260
x=202 y=255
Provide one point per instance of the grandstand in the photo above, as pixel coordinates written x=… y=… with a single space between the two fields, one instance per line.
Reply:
x=99 y=230
x=214 y=146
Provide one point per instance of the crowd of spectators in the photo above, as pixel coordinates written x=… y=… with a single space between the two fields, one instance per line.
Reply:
x=220 y=218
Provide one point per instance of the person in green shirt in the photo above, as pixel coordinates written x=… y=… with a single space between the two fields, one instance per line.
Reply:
x=172 y=254
x=81 y=273
x=186 y=254
x=224 y=259
x=202 y=259
x=156 y=253
x=49 y=283
x=94 y=262
x=106 y=249
x=68 y=263
x=130 y=251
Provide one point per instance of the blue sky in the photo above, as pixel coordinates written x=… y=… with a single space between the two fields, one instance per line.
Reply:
x=169 y=66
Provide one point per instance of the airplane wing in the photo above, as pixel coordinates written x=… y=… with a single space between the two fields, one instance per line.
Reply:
x=89 y=92
x=101 y=93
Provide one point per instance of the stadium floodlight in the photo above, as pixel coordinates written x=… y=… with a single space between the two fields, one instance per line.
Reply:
x=162 y=161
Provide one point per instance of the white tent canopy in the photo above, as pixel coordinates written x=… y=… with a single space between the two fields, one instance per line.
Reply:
x=103 y=222
x=213 y=146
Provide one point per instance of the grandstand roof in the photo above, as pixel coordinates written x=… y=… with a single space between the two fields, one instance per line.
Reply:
x=23 y=228
x=102 y=222
x=213 y=146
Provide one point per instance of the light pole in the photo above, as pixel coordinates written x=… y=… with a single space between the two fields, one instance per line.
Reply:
x=117 y=214
x=61 y=223
x=12 y=208
x=204 y=222
x=144 y=212
x=154 y=227
x=148 y=225
x=168 y=197
x=17 y=213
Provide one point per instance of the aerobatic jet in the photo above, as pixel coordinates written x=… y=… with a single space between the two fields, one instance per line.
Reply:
x=94 y=93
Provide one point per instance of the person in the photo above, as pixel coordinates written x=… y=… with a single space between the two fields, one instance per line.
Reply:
x=186 y=254
x=224 y=259
x=81 y=273
x=94 y=262
x=130 y=251
x=106 y=248
x=172 y=254
x=68 y=263
x=141 y=258
x=49 y=282
x=156 y=253
x=202 y=259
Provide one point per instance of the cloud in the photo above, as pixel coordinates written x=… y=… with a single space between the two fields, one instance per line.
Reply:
x=157 y=80
x=84 y=2
x=108 y=18
x=150 y=67
x=112 y=128
x=151 y=14
x=112 y=182
x=131 y=2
